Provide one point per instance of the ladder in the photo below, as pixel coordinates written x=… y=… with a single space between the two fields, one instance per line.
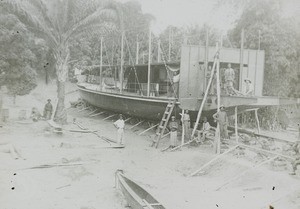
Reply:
x=164 y=122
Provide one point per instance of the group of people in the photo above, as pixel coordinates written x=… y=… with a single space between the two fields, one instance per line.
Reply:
x=229 y=81
x=47 y=114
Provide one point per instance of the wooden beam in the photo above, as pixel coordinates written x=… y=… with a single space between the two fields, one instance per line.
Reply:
x=213 y=160
x=149 y=65
x=236 y=125
x=99 y=113
x=122 y=62
x=127 y=119
x=109 y=116
x=136 y=124
x=148 y=129
x=257 y=121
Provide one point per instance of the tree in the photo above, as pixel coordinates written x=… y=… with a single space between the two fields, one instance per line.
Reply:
x=57 y=22
x=278 y=37
x=17 y=58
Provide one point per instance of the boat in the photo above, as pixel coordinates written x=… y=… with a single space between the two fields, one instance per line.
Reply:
x=136 y=196
x=144 y=90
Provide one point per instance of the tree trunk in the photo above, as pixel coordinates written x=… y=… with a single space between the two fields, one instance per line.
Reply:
x=62 y=58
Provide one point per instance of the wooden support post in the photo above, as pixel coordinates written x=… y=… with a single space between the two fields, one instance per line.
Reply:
x=99 y=113
x=241 y=174
x=101 y=62
x=213 y=160
x=158 y=51
x=127 y=119
x=148 y=129
x=257 y=121
x=183 y=128
x=137 y=50
x=110 y=116
x=236 y=125
x=217 y=138
x=149 y=64
x=205 y=96
x=136 y=124
x=122 y=62
x=241 y=59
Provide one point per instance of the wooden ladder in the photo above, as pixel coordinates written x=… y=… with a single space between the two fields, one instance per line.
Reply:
x=164 y=122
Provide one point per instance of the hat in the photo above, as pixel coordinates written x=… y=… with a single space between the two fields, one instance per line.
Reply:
x=49 y=100
x=173 y=116
x=222 y=106
x=247 y=79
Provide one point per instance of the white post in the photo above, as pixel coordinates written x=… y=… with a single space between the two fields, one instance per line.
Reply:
x=122 y=62
x=217 y=138
x=149 y=65
x=158 y=51
x=183 y=131
x=101 y=61
x=236 y=125
x=137 y=50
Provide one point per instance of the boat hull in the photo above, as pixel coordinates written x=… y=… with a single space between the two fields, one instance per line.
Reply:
x=135 y=195
x=141 y=107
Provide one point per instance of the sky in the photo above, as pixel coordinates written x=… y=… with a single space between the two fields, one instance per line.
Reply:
x=189 y=12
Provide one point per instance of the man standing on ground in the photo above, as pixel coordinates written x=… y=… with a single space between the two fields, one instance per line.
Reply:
x=186 y=124
x=120 y=125
x=229 y=76
x=48 y=110
x=173 y=126
x=221 y=117
x=206 y=128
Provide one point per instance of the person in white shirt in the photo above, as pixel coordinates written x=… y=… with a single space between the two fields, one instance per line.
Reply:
x=120 y=125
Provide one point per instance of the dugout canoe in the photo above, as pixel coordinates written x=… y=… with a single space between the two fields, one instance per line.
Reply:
x=136 y=196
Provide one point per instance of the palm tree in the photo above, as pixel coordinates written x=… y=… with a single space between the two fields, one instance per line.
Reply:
x=59 y=21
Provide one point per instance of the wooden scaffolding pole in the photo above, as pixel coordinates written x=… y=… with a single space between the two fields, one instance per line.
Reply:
x=205 y=95
x=236 y=125
x=122 y=62
x=257 y=121
x=170 y=44
x=217 y=144
x=183 y=128
x=137 y=50
x=241 y=59
x=101 y=61
x=149 y=65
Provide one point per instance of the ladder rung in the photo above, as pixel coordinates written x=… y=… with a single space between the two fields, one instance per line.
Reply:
x=164 y=119
x=160 y=126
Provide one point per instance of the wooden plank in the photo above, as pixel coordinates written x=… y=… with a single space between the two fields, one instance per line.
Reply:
x=241 y=174
x=213 y=160
x=127 y=119
x=148 y=129
x=136 y=124
x=99 y=113
x=110 y=116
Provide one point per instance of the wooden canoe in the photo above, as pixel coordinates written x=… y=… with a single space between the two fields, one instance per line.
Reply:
x=136 y=196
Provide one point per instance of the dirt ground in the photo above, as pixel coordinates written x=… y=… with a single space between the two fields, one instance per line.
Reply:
x=90 y=182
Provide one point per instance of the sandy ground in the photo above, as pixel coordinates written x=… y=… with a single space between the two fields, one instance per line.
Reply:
x=90 y=184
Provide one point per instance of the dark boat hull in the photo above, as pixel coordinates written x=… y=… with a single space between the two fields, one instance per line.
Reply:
x=141 y=107
x=135 y=195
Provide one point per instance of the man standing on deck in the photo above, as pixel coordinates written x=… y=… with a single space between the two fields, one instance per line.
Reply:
x=173 y=126
x=176 y=83
x=186 y=124
x=221 y=117
x=229 y=76
x=120 y=125
x=48 y=110
x=249 y=87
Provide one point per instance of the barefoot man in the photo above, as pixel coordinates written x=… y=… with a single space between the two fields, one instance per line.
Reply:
x=120 y=125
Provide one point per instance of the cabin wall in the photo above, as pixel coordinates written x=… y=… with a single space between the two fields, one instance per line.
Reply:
x=192 y=72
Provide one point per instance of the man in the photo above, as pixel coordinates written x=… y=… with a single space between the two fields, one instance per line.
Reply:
x=206 y=128
x=221 y=117
x=120 y=125
x=249 y=87
x=48 y=110
x=176 y=77
x=229 y=76
x=186 y=124
x=173 y=126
